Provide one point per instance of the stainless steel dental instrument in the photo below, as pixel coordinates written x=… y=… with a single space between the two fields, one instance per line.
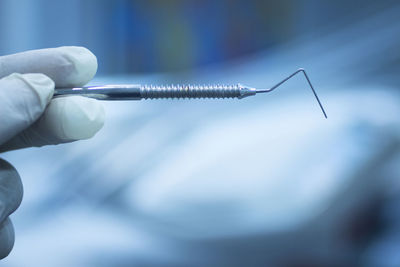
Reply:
x=138 y=92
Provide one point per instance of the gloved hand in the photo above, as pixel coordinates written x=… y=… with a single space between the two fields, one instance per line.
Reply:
x=30 y=117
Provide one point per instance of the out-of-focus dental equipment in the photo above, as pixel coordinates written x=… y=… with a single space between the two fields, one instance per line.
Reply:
x=138 y=92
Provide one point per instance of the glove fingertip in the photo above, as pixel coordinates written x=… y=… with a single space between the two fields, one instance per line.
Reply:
x=84 y=64
x=75 y=117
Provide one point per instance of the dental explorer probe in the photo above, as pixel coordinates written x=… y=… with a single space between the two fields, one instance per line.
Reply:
x=138 y=92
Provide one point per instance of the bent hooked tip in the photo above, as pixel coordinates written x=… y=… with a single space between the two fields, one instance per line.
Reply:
x=287 y=78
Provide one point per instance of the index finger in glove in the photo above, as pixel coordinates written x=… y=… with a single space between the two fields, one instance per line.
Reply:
x=67 y=66
x=66 y=119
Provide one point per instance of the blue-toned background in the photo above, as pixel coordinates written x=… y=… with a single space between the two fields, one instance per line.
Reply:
x=263 y=181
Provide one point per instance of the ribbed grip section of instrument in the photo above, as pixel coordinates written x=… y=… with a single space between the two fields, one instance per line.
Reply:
x=190 y=91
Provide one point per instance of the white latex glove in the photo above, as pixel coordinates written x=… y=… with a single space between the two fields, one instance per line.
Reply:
x=30 y=117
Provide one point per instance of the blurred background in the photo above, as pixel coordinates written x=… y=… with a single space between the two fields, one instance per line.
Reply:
x=263 y=181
